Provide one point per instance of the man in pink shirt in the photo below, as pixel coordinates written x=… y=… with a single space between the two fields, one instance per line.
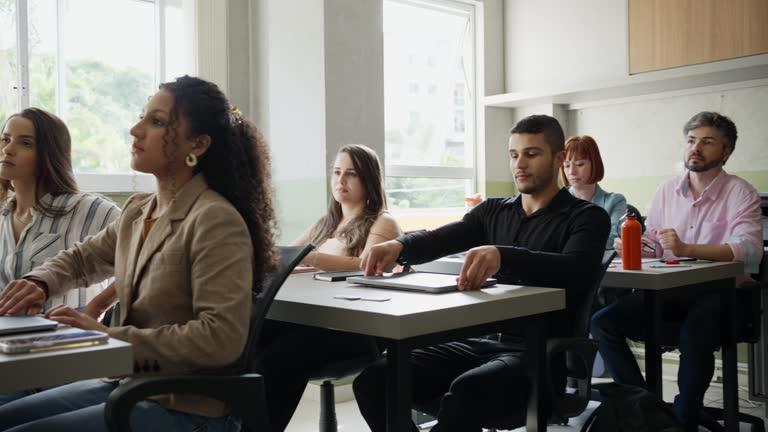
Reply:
x=707 y=214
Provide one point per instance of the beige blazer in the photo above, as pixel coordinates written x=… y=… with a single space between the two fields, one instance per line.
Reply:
x=184 y=294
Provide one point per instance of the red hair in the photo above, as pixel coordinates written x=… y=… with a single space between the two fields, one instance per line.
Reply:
x=584 y=147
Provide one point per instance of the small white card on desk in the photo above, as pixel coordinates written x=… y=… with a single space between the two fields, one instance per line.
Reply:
x=642 y=260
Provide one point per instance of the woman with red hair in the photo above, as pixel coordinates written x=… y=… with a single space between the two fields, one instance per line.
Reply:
x=581 y=171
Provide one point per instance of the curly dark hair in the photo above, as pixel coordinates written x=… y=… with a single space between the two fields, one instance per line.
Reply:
x=236 y=164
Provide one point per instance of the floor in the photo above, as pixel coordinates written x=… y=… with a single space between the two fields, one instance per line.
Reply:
x=350 y=420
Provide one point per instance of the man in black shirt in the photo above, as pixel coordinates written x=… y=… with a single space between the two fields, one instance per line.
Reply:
x=543 y=237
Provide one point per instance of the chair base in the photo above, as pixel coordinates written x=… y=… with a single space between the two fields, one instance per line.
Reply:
x=328 y=422
x=711 y=416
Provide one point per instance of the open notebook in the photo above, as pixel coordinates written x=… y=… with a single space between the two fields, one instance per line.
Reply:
x=419 y=281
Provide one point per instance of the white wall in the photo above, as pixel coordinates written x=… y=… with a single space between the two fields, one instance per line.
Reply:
x=354 y=75
x=316 y=83
x=554 y=43
x=560 y=45
x=645 y=138
x=492 y=157
x=290 y=53
x=287 y=67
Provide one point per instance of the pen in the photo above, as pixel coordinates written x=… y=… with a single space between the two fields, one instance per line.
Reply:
x=669 y=266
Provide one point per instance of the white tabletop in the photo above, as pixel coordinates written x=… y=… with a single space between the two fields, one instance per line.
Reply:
x=670 y=276
x=61 y=366
x=303 y=300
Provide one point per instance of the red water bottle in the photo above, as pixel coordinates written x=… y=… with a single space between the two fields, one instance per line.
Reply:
x=630 y=243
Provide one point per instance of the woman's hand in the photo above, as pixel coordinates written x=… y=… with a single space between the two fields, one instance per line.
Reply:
x=67 y=315
x=22 y=295
x=101 y=302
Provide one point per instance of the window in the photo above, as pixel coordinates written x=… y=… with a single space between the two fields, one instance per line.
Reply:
x=430 y=135
x=93 y=63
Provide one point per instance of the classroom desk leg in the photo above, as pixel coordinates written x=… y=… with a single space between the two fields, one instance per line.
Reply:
x=536 y=417
x=652 y=348
x=398 y=387
x=728 y=335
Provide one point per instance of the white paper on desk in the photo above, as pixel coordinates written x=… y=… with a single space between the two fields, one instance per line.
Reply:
x=497 y=290
x=642 y=260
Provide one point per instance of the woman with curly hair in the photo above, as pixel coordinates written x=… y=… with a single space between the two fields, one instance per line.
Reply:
x=185 y=260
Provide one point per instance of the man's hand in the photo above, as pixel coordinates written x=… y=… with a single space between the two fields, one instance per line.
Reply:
x=670 y=241
x=647 y=249
x=22 y=295
x=479 y=264
x=67 y=315
x=380 y=258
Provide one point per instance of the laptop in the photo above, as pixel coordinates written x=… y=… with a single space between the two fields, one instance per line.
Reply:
x=24 y=324
x=419 y=281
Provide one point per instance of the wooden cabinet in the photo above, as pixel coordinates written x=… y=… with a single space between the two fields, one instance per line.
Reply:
x=670 y=33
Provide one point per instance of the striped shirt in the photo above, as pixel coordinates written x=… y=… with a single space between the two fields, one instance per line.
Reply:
x=86 y=214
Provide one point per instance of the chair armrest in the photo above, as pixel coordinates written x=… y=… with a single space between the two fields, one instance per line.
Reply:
x=244 y=394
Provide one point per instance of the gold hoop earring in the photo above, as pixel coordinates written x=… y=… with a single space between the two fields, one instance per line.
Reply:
x=191 y=160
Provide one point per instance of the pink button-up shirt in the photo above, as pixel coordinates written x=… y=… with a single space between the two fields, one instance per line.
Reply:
x=727 y=212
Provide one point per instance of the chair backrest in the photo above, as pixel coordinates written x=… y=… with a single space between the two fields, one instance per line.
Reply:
x=583 y=313
x=264 y=294
x=578 y=367
x=753 y=329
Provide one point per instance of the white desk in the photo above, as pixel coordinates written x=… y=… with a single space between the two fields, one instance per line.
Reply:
x=699 y=275
x=49 y=368
x=410 y=320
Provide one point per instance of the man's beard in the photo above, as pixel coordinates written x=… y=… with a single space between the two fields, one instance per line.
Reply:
x=538 y=183
x=706 y=166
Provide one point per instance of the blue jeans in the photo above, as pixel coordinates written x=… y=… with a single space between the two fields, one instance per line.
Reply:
x=80 y=407
x=691 y=323
x=10 y=397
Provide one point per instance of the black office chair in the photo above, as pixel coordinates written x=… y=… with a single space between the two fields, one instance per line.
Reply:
x=580 y=354
x=336 y=371
x=242 y=390
x=634 y=212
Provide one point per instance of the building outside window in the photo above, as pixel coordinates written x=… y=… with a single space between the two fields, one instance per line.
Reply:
x=430 y=135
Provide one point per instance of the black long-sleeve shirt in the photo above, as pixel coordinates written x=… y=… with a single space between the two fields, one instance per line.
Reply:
x=560 y=245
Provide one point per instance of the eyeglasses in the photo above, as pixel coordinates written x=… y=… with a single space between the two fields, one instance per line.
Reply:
x=647 y=247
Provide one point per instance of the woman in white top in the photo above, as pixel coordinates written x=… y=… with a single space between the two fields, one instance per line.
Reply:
x=42 y=210
x=356 y=217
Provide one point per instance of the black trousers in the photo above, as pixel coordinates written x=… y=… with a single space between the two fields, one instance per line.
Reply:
x=289 y=354
x=474 y=380
x=690 y=322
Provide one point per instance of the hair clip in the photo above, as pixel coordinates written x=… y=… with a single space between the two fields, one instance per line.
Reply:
x=236 y=115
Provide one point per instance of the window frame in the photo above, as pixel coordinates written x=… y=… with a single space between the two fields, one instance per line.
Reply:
x=214 y=10
x=472 y=130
